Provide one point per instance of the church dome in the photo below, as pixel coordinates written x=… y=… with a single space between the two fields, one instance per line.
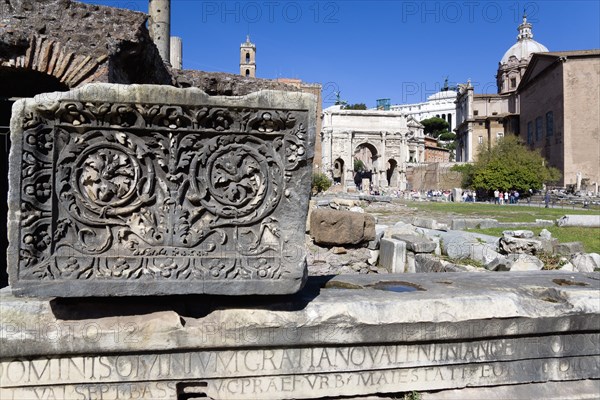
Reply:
x=525 y=45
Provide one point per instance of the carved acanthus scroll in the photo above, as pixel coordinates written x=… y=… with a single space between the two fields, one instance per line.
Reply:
x=146 y=191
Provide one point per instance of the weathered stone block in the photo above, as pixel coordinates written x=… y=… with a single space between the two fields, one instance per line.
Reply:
x=458 y=224
x=379 y=232
x=354 y=336
x=410 y=263
x=484 y=253
x=574 y=390
x=457 y=195
x=311 y=206
x=416 y=244
x=340 y=202
x=473 y=223
x=141 y=190
x=568 y=248
x=375 y=199
x=509 y=244
x=548 y=245
x=423 y=222
x=500 y=263
x=516 y=262
x=521 y=234
x=392 y=255
x=400 y=228
x=335 y=227
x=487 y=223
x=524 y=262
x=458 y=246
x=425 y=263
x=586 y=262
x=588 y=220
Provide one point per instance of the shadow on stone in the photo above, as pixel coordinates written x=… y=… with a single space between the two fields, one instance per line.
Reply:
x=187 y=306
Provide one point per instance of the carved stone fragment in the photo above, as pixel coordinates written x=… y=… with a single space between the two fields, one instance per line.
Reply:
x=145 y=190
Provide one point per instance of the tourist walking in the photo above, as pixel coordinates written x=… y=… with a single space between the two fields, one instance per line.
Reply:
x=496 y=196
x=547 y=198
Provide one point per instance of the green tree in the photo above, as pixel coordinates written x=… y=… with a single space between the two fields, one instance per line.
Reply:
x=320 y=182
x=452 y=147
x=466 y=171
x=359 y=166
x=357 y=106
x=511 y=165
x=435 y=126
x=447 y=136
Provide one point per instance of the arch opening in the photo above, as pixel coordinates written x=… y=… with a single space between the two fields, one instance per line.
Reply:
x=338 y=172
x=367 y=154
x=365 y=166
x=392 y=174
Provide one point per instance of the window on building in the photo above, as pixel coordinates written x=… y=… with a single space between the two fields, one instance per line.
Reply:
x=247 y=58
x=530 y=132
x=247 y=72
x=480 y=139
x=475 y=112
x=538 y=128
x=513 y=83
x=549 y=124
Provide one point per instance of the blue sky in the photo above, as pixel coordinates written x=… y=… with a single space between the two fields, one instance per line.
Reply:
x=401 y=50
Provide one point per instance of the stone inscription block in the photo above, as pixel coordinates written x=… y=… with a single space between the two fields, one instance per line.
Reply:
x=318 y=385
x=147 y=190
x=149 y=367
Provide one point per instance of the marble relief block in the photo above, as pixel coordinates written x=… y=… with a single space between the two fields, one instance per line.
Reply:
x=151 y=190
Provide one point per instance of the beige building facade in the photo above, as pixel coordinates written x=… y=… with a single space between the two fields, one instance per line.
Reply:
x=482 y=119
x=560 y=114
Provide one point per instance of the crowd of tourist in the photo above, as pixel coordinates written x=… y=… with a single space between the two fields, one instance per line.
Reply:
x=506 y=197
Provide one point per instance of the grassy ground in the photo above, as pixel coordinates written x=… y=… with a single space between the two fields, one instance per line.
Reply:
x=505 y=213
x=589 y=237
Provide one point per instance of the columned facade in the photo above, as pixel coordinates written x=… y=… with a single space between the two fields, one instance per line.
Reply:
x=383 y=141
x=440 y=105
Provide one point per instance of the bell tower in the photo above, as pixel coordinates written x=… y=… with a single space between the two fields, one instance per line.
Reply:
x=248 y=59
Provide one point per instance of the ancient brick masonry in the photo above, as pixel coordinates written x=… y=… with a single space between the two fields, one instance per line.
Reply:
x=79 y=43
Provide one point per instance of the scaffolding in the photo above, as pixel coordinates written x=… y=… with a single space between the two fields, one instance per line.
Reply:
x=383 y=104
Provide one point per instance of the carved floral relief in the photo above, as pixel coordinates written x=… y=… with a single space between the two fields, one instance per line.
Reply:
x=162 y=192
